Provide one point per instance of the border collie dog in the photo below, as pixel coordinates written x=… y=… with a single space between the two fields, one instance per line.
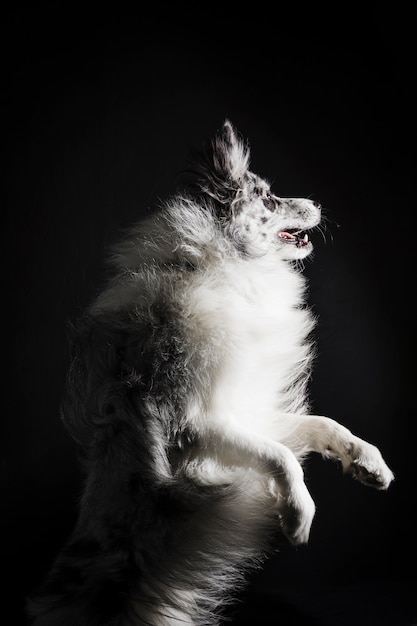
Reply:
x=187 y=395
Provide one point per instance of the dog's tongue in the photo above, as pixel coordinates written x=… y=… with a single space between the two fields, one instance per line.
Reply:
x=294 y=239
x=284 y=235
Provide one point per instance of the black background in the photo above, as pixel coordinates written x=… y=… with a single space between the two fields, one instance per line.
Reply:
x=99 y=111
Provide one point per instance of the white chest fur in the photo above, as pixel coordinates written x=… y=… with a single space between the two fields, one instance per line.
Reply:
x=250 y=313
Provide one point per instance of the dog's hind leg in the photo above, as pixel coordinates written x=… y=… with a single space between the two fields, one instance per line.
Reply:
x=315 y=433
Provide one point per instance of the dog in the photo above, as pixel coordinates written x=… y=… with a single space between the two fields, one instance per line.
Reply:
x=187 y=395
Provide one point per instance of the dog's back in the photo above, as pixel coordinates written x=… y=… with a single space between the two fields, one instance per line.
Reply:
x=185 y=374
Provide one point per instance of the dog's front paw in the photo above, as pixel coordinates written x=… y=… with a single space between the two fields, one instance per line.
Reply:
x=367 y=465
x=296 y=511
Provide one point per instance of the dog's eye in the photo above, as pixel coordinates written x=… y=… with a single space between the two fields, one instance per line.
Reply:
x=269 y=202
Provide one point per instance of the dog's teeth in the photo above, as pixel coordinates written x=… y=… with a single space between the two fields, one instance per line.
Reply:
x=305 y=238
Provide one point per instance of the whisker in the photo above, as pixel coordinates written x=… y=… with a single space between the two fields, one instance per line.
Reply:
x=299 y=264
x=325 y=230
x=322 y=232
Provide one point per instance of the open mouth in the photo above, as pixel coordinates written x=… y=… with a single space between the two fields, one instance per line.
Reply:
x=292 y=236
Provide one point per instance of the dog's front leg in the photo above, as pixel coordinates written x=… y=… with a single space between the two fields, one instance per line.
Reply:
x=315 y=433
x=236 y=446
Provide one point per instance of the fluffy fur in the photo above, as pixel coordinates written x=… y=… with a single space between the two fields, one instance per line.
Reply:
x=187 y=396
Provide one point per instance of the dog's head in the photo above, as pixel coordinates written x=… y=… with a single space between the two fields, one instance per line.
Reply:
x=250 y=213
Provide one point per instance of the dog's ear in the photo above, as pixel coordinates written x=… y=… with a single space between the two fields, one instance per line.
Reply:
x=219 y=171
x=231 y=155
